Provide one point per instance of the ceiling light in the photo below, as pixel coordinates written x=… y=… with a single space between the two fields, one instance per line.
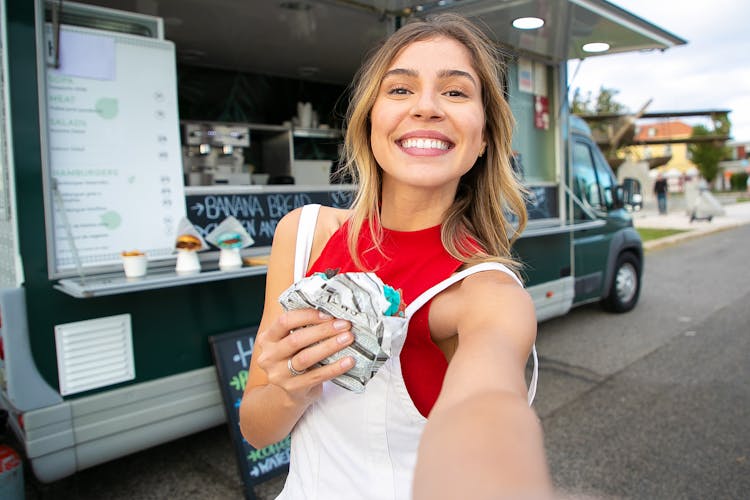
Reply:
x=528 y=23
x=596 y=47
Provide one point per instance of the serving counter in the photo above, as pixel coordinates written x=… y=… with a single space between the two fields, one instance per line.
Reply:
x=257 y=208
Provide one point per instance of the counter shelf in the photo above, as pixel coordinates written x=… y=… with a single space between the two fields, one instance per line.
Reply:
x=317 y=133
x=117 y=283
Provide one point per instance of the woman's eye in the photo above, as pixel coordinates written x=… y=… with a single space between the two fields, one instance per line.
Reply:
x=398 y=91
x=455 y=93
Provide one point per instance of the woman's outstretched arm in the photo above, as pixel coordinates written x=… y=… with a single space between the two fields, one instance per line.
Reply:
x=482 y=440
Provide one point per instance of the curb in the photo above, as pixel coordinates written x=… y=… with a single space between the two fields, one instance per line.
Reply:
x=688 y=235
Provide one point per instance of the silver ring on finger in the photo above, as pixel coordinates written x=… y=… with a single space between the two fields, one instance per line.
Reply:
x=292 y=370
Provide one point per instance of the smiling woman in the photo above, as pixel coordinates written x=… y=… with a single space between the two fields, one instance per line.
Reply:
x=428 y=140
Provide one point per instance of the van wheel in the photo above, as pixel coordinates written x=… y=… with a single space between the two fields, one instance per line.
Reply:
x=626 y=284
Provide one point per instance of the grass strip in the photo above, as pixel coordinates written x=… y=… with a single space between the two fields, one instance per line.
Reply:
x=650 y=233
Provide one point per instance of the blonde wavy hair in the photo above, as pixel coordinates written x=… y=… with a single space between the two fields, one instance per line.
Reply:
x=488 y=196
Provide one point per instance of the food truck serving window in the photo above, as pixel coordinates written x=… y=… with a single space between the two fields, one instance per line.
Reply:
x=530 y=85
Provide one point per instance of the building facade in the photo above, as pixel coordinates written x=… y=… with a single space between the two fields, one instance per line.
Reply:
x=647 y=146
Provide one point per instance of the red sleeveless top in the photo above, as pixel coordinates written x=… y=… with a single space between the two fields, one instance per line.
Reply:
x=410 y=262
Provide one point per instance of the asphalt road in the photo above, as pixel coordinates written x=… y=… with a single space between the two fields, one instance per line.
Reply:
x=653 y=404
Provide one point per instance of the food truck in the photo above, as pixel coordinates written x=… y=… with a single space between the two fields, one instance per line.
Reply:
x=124 y=124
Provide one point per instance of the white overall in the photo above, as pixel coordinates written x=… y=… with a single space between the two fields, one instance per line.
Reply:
x=362 y=446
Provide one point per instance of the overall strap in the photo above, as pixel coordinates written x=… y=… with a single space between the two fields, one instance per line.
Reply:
x=305 y=234
x=428 y=294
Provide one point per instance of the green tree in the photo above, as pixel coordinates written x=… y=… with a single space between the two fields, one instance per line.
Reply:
x=581 y=105
x=606 y=103
x=722 y=124
x=611 y=131
x=603 y=103
x=707 y=155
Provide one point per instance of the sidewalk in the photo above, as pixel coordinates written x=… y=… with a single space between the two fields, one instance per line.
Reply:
x=736 y=214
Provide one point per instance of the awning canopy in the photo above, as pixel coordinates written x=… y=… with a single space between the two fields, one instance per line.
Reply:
x=326 y=40
x=568 y=25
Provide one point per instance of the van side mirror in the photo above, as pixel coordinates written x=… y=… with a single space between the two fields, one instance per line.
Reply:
x=629 y=194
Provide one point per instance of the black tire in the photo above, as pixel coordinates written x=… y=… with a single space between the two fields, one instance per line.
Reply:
x=626 y=284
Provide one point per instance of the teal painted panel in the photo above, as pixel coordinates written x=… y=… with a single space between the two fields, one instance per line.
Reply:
x=536 y=146
x=544 y=258
x=170 y=326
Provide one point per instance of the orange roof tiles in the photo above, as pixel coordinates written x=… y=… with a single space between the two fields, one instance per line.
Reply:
x=672 y=129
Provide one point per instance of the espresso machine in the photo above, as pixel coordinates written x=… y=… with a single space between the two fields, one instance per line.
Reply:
x=213 y=154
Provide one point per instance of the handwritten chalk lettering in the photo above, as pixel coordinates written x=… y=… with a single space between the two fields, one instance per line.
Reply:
x=341 y=199
x=270 y=450
x=199 y=208
x=270 y=464
x=249 y=225
x=237 y=206
x=267 y=228
x=206 y=230
x=243 y=355
x=239 y=381
x=282 y=203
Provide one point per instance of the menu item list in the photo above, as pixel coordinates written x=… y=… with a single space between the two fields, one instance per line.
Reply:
x=114 y=147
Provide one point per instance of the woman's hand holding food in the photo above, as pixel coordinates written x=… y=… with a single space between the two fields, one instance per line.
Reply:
x=289 y=349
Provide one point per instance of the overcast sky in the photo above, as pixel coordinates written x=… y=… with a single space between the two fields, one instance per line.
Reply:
x=712 y=71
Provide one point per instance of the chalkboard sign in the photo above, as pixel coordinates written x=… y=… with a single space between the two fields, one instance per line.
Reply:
x=232 y=353
x=258 y=212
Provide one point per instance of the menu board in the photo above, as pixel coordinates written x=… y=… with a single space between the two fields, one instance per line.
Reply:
x=115 y=166
x=232 y=353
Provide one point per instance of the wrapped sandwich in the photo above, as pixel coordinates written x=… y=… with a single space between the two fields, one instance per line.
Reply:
x=374 y=309
x=230 y=237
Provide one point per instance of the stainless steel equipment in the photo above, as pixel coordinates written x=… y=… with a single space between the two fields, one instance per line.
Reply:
x=245 y=153
x=214 y=154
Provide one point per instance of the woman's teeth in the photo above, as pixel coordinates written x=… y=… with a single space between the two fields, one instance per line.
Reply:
x=424 y=144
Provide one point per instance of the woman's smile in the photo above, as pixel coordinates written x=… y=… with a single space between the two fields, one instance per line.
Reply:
x=425 y=143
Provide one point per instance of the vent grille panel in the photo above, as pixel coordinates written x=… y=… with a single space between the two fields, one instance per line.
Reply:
x=94 y=353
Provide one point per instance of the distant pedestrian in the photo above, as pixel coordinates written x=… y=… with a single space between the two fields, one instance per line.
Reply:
x=660 y=189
